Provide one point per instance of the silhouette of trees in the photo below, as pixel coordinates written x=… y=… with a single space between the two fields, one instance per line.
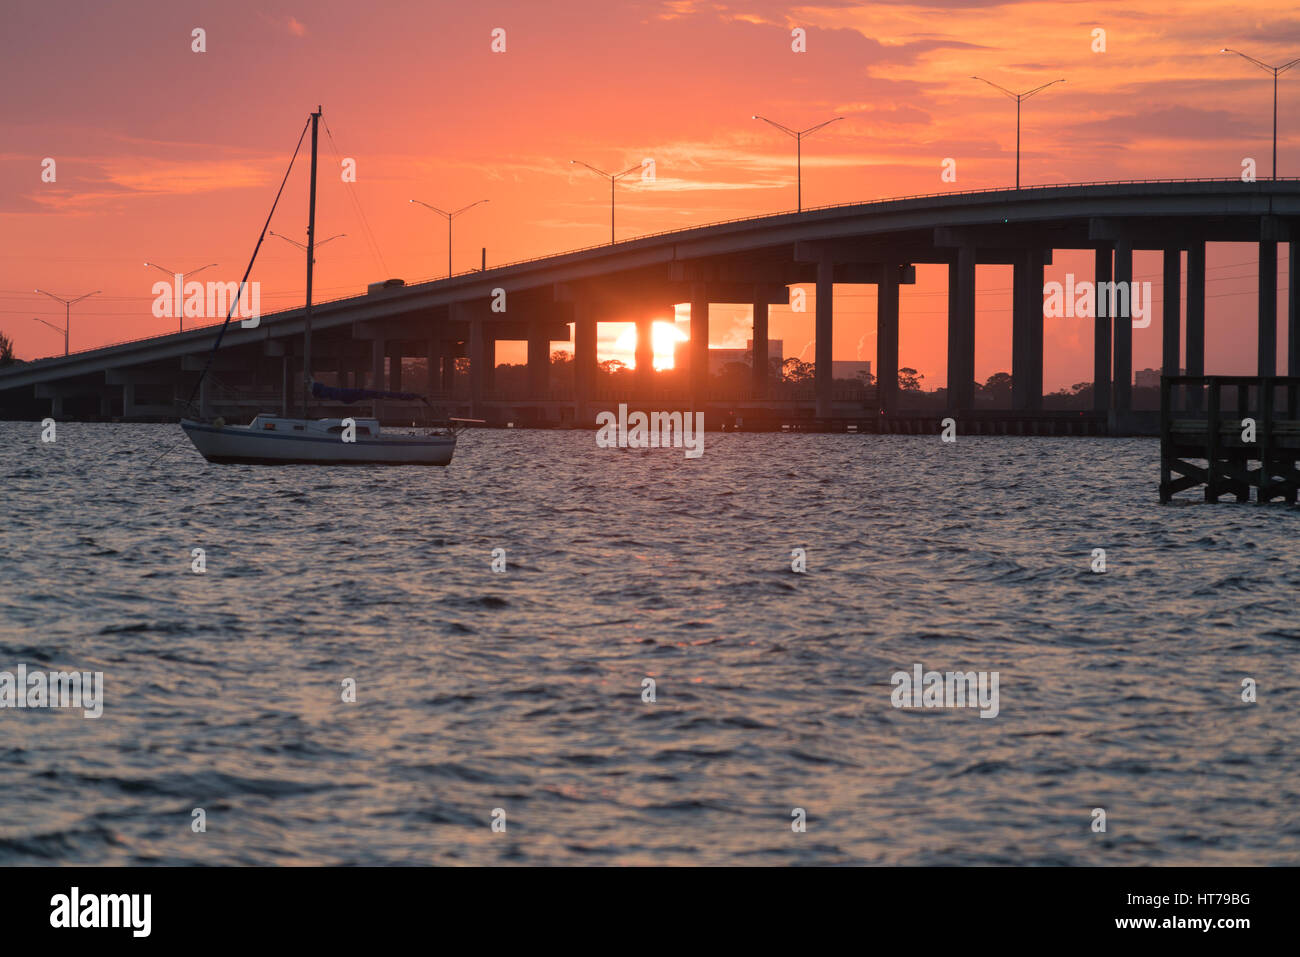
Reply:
x=998 y=387
x=909 y=380
x=6 y=350
x=795 y=369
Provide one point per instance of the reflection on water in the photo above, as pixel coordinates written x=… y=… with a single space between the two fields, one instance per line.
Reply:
x=523 y=690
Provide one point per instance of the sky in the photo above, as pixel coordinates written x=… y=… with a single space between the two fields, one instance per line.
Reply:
x=168 y=155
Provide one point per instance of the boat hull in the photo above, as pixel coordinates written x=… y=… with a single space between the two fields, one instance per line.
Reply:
x=244 y=444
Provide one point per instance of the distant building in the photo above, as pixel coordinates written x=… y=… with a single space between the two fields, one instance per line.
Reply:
x=721 y=358
x=849 y=368
x=1149 y=378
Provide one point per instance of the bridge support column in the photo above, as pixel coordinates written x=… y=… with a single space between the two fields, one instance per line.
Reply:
x=284 y=387
x=1195 y=353
x=205 y=405
x=1268 y=308
x=489 y=360
x=105 y=407
x=1123 y=327
x=56 y=406
x=1292 y=312
x=478 y=363
x=432 y=371
x=645 y=353
x=759 y=357
x=584 y=361
x=961 y=332
x=1101 y=338
x=377 y=374
x=128 y=401
x=887 y=337
x=823 y=371
x=1171 y=311
x=699 y=365
x=539 y=361
x=1027 y=331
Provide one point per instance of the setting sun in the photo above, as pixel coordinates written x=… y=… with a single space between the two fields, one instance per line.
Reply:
x=664 y=334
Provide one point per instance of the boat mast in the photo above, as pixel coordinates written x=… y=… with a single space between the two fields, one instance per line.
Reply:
x=311 y=257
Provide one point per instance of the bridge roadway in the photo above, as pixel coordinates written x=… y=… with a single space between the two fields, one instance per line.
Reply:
x=754 y=261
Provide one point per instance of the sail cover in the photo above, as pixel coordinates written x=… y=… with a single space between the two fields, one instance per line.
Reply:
x=358 y=395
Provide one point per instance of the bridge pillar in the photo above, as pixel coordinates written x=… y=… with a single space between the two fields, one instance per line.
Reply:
x=645 y=353
x=377 y=374
x=1195 y=353
x=887 y=338
x=395 y=371
x=759 y=358
x=1171 y=311
x=1027 y=331
x=1123 y=327
x=1101 y=338
x=699 y=365
x=284 y=387
x=56 y=406
x=1292 y=312
x=432 y=359
x=478 y=362
x=205 y=405
x=1268 y=307
x=961 y=331
x=539 y=361
x=823 y=372
x=584 y=360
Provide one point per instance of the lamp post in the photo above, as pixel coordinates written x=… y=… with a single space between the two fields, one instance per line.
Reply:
x=67 y=312
x=180 y=312
x=303 y=246
x=613 y=178
x=798 y=139
x=449 y=217
x=1276 y=71
x=59 y=329
x=1019 y=98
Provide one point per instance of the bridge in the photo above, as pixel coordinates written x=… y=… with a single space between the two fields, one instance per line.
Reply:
x=362 y=340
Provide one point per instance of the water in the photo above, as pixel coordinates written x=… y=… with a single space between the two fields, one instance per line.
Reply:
x=522 y=690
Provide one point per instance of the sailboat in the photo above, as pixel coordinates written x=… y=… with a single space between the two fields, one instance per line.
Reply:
x=281 y=440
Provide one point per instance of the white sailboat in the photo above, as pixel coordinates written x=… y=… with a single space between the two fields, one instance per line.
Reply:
x=280 y=440
x=275 y=440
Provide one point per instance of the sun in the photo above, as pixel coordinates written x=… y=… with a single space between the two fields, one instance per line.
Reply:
x=664 y=336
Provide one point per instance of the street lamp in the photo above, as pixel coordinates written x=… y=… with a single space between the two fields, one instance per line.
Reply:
x=67 y=313
x=180 y=312
x=1018 y=97
x=303 y=247
x=449 y=216
x=613 y=178
x=1276 y=71
x=798 y=139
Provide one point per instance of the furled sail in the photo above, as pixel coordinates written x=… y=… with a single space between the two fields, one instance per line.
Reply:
x=349 y=396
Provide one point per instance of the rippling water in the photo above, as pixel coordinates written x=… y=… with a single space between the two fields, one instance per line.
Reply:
x=522 y=690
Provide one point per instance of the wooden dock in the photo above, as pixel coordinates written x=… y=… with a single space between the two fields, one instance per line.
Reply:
x=1244 y=429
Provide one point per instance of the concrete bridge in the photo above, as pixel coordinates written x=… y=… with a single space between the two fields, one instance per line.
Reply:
x=754 y=261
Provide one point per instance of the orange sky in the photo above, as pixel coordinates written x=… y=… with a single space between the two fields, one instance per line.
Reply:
x=172 y=156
